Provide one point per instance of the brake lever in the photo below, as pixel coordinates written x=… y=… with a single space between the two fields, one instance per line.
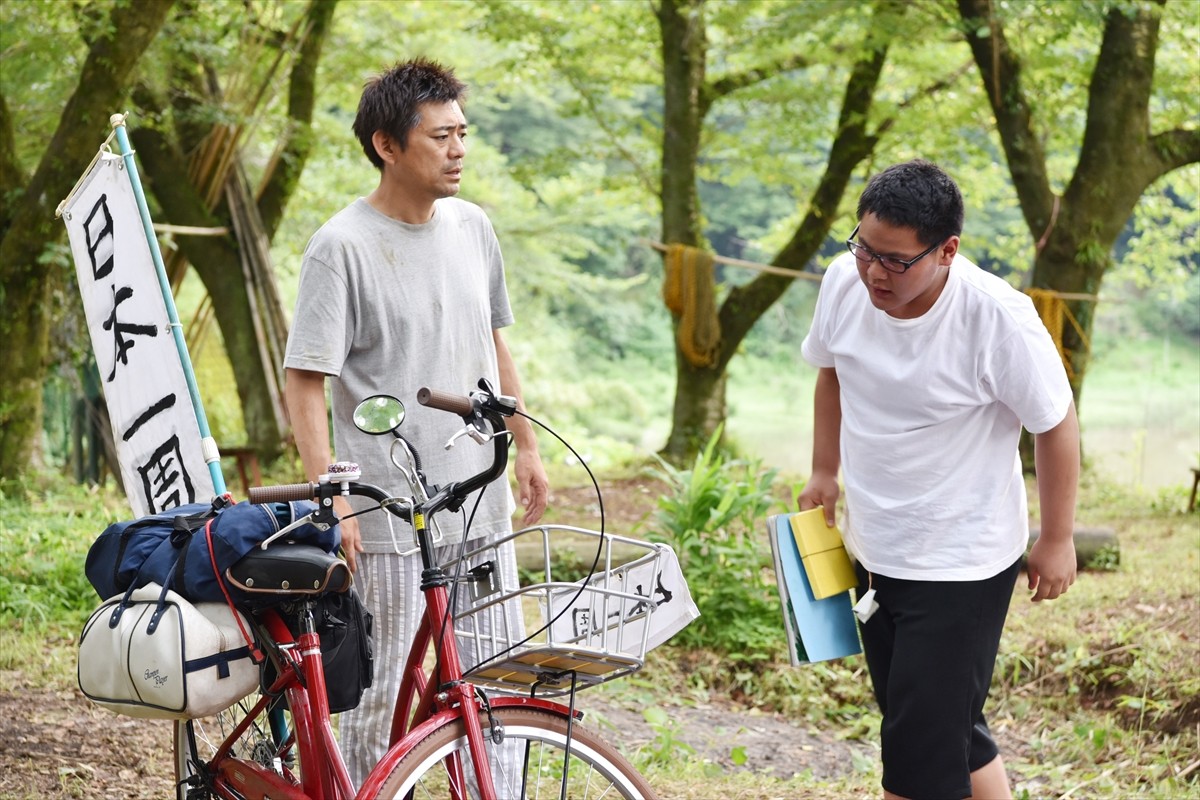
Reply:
x=475 y=431
x=307 y=518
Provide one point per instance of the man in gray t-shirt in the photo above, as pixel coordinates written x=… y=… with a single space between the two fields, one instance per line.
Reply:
x=403 y=289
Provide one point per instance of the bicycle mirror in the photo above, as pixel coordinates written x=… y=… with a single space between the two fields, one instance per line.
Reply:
x=379 y=414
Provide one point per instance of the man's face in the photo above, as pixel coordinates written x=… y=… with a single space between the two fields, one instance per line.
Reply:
x=431 y=164
x=909 y=294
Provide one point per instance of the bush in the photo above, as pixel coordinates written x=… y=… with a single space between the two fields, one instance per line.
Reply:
x=712 y=516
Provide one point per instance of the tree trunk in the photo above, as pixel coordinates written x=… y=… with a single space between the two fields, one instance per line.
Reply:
x=28 y=277
x=1118 y=158
x=284 y=173
x=218 y=261
x=700 y=391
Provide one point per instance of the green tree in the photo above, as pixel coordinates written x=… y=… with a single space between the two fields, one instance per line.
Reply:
x=195 y=112
x=187 y=105
x=29 y=280
x=1120 y=153
x=735 y=93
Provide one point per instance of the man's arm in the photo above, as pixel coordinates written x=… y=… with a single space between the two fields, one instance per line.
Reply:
x=1051 y=563
x=533 y=487
x=304 y=393
x=822 y=487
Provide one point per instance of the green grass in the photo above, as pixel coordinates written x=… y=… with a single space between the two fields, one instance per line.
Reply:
x=1140 y=408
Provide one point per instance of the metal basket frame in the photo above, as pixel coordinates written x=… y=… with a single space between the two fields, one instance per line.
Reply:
x=544 y=661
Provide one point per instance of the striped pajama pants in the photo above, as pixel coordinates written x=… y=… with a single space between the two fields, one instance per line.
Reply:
x=390 y=588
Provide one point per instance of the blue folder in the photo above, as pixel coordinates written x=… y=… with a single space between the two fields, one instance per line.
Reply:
x=818 y=630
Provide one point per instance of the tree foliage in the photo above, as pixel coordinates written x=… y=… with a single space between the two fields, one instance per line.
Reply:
x=199 y=90
x=744 y=127
x=1120 y=154
x=741 y=96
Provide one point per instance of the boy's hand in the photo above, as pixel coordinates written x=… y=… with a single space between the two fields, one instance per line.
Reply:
x=821 y=490
x=1051 y=566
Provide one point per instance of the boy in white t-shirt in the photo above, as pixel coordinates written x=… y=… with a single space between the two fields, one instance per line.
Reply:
x=929 y=368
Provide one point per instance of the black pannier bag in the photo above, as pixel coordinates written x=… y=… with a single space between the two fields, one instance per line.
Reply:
x=347 y=647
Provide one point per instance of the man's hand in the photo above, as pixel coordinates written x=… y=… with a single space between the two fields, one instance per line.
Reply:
x=821 y=490
x=533 y=487
x=351 y=538
x=1051 y=567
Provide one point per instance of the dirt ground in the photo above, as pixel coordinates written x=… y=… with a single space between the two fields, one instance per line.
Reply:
x=55 y=744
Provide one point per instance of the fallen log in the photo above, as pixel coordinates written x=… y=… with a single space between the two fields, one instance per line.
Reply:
x=1095 y=548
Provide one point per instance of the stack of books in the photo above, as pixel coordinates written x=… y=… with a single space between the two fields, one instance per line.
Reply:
x=814 y=576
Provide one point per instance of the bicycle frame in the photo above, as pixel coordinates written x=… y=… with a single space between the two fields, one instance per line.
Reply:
x=323 y=771
x=424 y=702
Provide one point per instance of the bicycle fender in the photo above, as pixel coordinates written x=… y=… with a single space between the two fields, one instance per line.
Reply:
x=536 y=702
x=380 y=771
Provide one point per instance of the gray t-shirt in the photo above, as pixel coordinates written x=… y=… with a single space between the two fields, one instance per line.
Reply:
x=386 y=307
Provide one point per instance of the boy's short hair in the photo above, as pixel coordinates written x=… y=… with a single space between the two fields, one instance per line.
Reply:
x=918 y=195
x=391 y=101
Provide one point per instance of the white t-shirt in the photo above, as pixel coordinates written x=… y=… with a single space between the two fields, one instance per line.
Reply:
x=932 y=410
x=386 y=307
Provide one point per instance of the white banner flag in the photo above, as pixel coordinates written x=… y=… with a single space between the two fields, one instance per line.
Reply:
x=154 y=426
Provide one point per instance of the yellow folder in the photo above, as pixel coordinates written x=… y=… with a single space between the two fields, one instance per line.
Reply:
x=823 y=554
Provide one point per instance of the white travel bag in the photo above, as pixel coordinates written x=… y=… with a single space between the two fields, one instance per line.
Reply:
x=152 y=654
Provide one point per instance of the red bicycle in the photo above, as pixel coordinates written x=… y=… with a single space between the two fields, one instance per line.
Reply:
x=490 y=731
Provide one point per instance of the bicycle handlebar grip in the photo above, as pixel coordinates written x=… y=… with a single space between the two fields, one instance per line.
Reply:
x=282 y=494
x=444 y=401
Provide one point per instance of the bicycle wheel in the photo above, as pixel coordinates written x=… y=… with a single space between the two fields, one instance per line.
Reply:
x=595 y=768
x=196 y=742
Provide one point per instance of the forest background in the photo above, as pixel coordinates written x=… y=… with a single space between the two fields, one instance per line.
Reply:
x=574 y=154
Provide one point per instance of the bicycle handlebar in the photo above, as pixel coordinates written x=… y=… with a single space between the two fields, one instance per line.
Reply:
x=312 y=491
x=282 y=494
x=444 y=401
x=483 y=407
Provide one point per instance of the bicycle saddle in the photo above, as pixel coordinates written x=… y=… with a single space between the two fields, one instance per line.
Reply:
x=290 y=569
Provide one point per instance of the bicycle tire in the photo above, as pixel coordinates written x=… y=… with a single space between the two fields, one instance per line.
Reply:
x=596 y=768
x=197 y=740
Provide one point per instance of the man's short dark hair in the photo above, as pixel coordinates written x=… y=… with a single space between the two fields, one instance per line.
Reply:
x=391 y=101
x=918 y=195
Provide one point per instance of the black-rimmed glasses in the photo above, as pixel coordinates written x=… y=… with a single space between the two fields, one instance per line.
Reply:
x=866 y=255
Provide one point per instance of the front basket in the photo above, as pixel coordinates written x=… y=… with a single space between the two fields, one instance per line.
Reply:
x=582 y=631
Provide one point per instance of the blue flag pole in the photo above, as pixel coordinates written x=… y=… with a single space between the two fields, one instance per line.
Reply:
x=208 y=445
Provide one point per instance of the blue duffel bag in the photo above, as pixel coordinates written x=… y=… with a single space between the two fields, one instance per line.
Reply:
x=172 y=548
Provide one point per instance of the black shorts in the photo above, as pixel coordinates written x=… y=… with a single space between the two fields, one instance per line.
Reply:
x=931 y=648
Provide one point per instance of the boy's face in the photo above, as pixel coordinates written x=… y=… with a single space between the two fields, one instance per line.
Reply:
x=430 y=166
x=909 y=294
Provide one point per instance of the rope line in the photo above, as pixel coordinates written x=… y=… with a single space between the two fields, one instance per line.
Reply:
x=737 y=262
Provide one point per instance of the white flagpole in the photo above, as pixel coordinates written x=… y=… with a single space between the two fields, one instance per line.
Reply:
x=208 y=445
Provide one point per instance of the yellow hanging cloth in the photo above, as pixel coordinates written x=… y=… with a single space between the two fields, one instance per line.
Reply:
x=1053 y=310
x=688 y=292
